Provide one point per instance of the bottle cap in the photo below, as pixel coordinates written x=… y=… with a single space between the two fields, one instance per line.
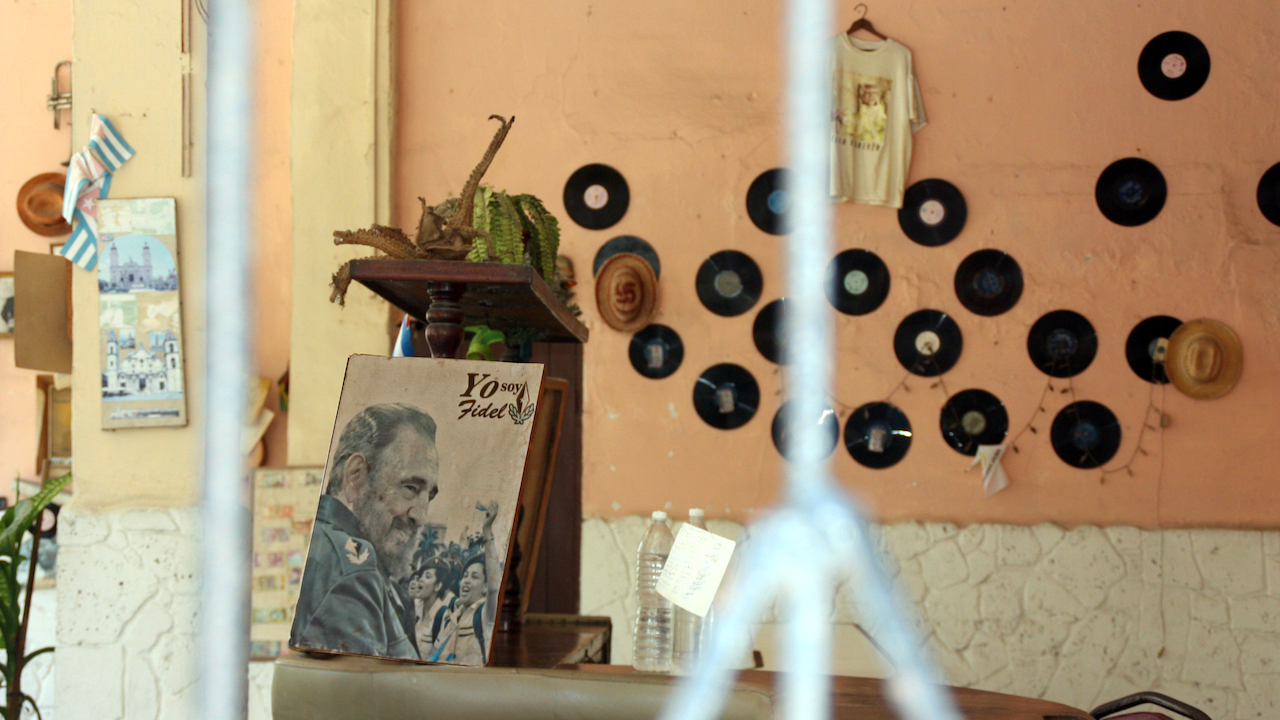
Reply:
x=659 y=515
x=697 y=512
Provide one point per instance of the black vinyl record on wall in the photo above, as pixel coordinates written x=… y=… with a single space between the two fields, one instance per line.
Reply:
x=1062 y=343
x=928 y=342
x=596 y=196
x=857 y=282
x=726 y=396
x=1130 y=192
x=1269 y=194
x=877 y=435
x=989 y=282
x=656 y=351
x=769 y=201
x=729 y=283
x=1173 y=65
x=1085 y=434
x=933 y=212
x=972 y=418
x=828 y=427
x=766 y=331
x=627 y=244
x=1141 y=345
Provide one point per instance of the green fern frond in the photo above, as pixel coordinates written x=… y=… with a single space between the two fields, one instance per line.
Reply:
x=546 y=233
x=480 y=219
x=533 y=247
x=500 y=232
x=508 y=220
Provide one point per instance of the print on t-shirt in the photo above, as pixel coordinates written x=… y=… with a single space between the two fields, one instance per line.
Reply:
x=862 y=115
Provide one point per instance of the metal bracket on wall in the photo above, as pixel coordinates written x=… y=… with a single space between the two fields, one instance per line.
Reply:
x=57 y=102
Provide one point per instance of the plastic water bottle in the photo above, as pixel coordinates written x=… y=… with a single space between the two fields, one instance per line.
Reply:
x=687 y=643
x=653 y=620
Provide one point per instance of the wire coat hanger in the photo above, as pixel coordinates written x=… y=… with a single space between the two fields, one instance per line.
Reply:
x=862 y=23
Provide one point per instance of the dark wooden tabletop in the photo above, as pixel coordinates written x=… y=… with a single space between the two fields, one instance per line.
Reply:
x=857 y=698
x=497 y=294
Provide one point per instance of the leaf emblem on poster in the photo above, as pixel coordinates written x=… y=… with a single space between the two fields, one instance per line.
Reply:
x=355 y=553
x=520 y=413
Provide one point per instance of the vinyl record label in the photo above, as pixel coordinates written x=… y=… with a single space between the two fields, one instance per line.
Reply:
x=857 y=282
x=972 y=418
x=1269 y=194
x=766 y=331
x=656 y=351
x=828 y=426
x=933 y=212
x=1130 y=192
x=627 y=244
x=1085 y=434
x=989 y=282
x=1173 y=65
x=1062 y=343
x=729 y=283
x=769 y=200
x=1144 y=350
x=596 y=196
x=726 y=396
x=928 y=342
x=877 y=435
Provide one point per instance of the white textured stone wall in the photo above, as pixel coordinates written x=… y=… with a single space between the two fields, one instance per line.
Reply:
x=127 y=603
x=1078 y=616
x=37 y=678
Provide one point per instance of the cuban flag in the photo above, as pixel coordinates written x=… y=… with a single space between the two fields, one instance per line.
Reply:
x=404 y=343
x=88 y=180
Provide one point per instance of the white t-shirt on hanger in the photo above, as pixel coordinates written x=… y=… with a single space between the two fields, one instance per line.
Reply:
x=875 y=107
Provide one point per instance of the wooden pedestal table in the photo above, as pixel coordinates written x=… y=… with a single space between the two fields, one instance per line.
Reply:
x=450 y=295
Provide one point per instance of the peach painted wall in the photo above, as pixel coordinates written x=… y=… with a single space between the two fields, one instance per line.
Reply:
x=34 y=36
x=273 y=210
x=1027 y=105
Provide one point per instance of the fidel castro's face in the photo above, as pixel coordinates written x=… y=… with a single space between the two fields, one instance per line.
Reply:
x=393 y=506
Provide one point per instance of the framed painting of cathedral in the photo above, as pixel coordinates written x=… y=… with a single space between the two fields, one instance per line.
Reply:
x=139 y=314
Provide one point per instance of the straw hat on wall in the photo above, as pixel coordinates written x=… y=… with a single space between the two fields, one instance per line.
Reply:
x=40 y=204
x=1204 y=358
x=626 y=292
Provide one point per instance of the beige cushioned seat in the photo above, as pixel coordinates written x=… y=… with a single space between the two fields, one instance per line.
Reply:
x=358 y=688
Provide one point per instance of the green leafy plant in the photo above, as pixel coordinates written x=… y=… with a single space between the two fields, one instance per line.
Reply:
x=481 y=224
x=15 y=597
x=520 y=230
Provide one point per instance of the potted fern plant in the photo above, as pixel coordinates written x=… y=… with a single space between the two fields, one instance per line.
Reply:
x=482 y=224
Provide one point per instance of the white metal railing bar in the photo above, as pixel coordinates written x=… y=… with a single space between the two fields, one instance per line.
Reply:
x=223 y=649
x=817 y=522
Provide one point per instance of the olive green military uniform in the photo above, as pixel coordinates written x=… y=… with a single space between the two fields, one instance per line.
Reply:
x=347 y=604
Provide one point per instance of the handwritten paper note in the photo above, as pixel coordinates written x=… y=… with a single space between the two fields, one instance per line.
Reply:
x=694 y=569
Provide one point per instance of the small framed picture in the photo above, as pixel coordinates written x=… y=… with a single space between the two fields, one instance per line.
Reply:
x=6 y=304
x=56 y=248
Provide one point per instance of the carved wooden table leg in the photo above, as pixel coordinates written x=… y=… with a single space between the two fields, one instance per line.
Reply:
x=444 y=318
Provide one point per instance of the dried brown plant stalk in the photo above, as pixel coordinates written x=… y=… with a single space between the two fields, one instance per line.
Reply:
x=445 y=231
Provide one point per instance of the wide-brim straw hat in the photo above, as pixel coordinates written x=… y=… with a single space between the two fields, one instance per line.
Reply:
x=1204 y=358
x=626 y=292
x=40 y=204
